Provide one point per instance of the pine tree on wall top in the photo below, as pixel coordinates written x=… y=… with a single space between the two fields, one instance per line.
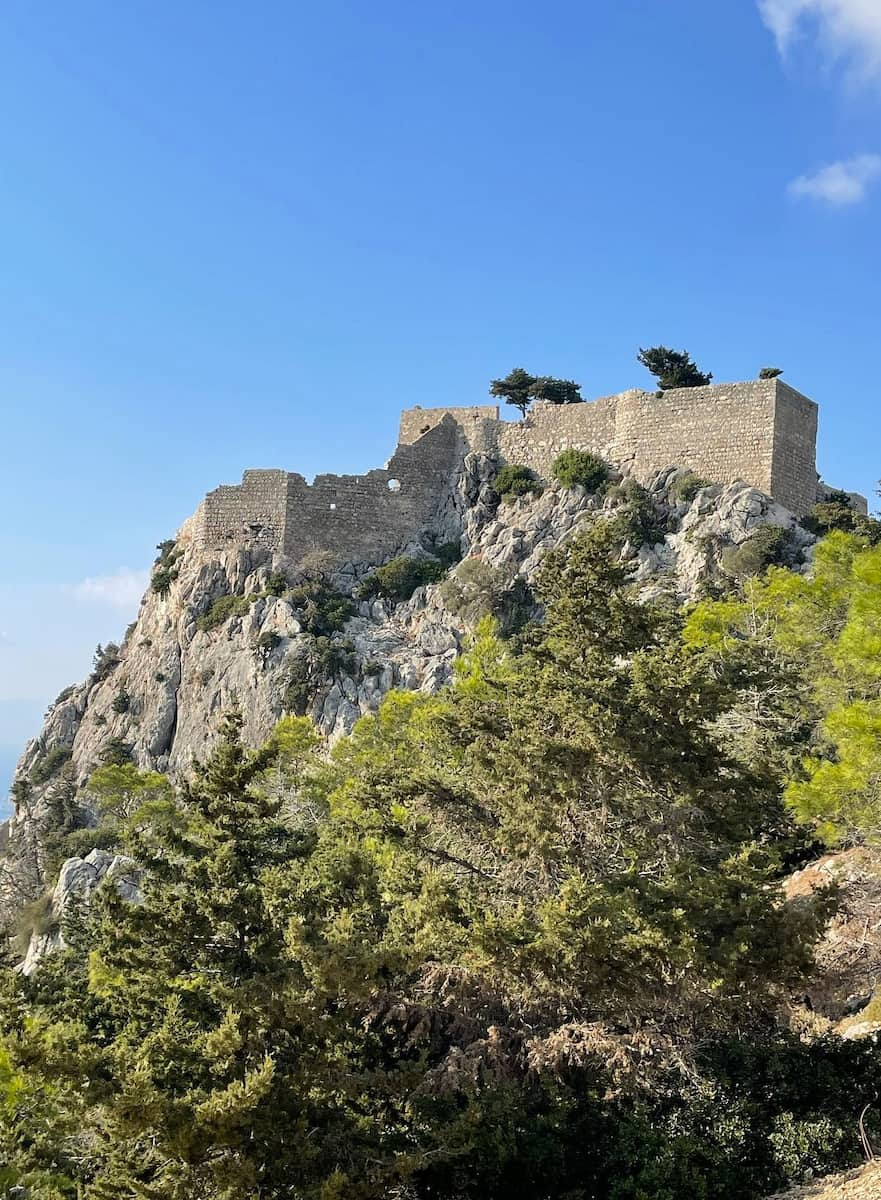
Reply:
x=672 y=368
x=556 y=391
x=520 y=388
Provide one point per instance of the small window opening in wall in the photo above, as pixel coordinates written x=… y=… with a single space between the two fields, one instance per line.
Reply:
x=332 y=507
x=394 y=485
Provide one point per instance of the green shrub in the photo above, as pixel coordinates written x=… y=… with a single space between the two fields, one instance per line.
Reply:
x=62 y=814
x=122 y=701
x=770 y=372
x=165 y=569
x=277 y=584
x=79 y=842
x=106 y=660
x=686 y=486
x=476 y=590
x=162 y=580
x=515 y=480
x=50 y=763
x=333 y=659
x=807 y=1147
x=222 y=609
x=116 y=752
x=580 y=468
x=300 y=686
x=837 y=512
x=60 y=699
x=321 y=610
x=399 y=578
x=638 y=518
x=768 y=546
x=448 y=553
x=672 y=368
x=321 y=660
x=264 y=646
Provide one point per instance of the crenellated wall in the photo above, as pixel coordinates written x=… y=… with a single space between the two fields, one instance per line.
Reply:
x=763 y=432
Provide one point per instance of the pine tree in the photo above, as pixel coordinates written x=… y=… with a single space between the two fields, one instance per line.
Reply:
x=824 y=627
x=515 y=388
x=672 y=368
x=519 y=388
x=556 y=391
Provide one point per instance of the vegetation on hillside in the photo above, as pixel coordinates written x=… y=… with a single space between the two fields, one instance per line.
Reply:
x=580 y=468
x=515 y=479
x=523 y=937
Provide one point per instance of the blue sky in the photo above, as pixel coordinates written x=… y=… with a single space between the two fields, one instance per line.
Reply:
x=246 y=235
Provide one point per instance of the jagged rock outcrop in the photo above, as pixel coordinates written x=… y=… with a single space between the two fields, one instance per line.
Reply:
x=77 y=881
x=845 y=995
x=159 y=698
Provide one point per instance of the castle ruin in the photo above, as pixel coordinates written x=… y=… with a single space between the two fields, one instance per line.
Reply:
x=763 y=432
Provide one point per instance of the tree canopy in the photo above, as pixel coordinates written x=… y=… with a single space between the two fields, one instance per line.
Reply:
x=828 y=627
x=519 y=388
x=524 y=936
x=672 y=368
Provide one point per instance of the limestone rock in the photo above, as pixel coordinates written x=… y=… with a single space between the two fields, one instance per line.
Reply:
x=78 y=880
x=162 y=700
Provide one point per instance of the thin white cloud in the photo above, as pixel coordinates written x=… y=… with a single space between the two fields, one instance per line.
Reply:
x=123 y=589
x=847 y=31
x=5 y=639
x=840 y=183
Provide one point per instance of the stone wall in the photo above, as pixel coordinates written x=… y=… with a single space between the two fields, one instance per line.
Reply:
x=549 y=428
x=763 y=432
x=366 y=517
x=858 y=502
x=478 y=424
x=794 y=464
x=722 y=432
x=354 y=517
x=254 y=510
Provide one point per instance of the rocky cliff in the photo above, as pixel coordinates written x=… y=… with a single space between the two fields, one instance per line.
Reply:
x=186 y=658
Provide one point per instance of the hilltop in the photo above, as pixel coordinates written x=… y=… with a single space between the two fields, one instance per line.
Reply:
x=467 y=851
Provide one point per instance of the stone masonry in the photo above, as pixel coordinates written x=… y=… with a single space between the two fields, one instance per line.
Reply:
x=762 y=432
